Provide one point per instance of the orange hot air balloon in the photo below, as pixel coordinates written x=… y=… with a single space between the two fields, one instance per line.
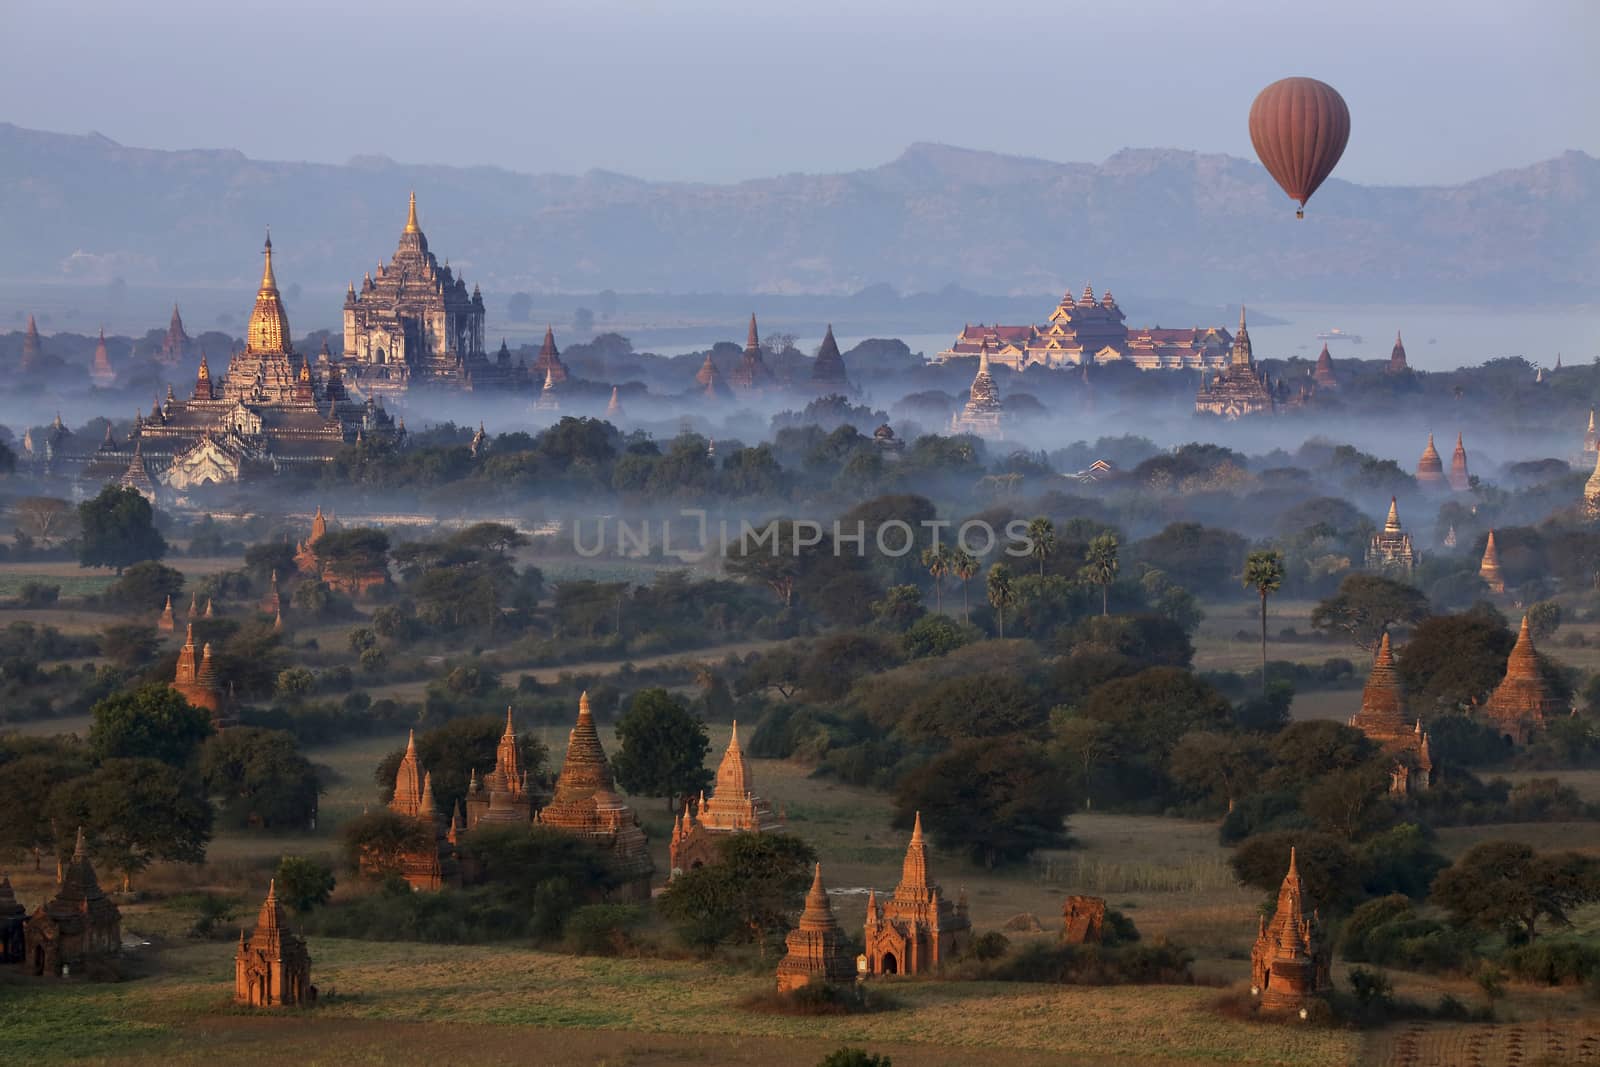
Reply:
x=1299 y=127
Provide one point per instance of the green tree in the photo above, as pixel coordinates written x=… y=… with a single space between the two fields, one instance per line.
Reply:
x=1218 y=766
x=136 y=811
x=997 y=800
x=900 y=607
x=30 y=768
x=149 y=723
x=145 y=586
x=1041 y=538
x=1507 y=885
x=663 y=748
x=1544 y=619
x=1330 y=870
x=303 y=884
x=1366 y=606
x=1100 y=567
x=965 y=566
x=1263 y=572
x=758 y=881
x=1002 y=593
x=1454 y=661
x=261 y=777
x=937 y=563
x=375 y=843
x=118 y=530
x=129 y=645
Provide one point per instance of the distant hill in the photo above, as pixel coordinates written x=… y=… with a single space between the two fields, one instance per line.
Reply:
x=1148 y=221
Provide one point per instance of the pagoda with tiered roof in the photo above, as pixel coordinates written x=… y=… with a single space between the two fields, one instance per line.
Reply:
x=1291 y=959
x=1430 y=468
x=733 y=809
x=917 y=928
x=1382 y=719
x=1323 y=374
x=196 y=679
x=501 y=795
x=982 y=412
x=586 y=804
x=272 y=968
x=1390 y=548
x=1241 y=389
x=77 y=926
x=1489 y=567
x=414 y=323
x=751 y=374
x=1460 y=480
x=827 y=371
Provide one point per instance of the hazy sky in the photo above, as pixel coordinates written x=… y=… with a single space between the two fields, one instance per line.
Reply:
x=721 y=90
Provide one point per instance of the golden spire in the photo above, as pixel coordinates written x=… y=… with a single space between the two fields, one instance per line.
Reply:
x=269 y=323
x=269 y=282
x=411 y=215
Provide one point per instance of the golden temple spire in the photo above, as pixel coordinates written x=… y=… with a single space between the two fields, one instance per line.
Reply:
x=411 y=215
x=268 y=280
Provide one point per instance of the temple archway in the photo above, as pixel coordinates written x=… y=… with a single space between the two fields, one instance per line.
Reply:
x=890 y=964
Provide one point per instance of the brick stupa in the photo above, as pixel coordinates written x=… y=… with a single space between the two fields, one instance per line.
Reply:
x=1460 y=480
x=1391 y=547
x=1382 y=719
x=1489 y=568
x=272 y=968
x=586 y=804
x=918 y=928
x=817 y=948
x=734 y=808
x=195 y=679
x=751 y=374
x=1522 y=704
x=433 y=865
x=1430 y=468
x=1290 y=961
x=1323 y=375
x=828 y=372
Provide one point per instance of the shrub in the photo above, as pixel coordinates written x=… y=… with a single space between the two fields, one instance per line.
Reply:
x=852 y=1057
x=1372 y=989
x=37 y=595
x=1093 y=965
x=1553 y=962
x=990 y=945
x=602 y=929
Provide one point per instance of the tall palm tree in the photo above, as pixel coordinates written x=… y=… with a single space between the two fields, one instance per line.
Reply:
x=1263 y=572
x=964 y=565
x=1041 y=540
x=937 y=560
x=1002 y=593
x=1100 y=567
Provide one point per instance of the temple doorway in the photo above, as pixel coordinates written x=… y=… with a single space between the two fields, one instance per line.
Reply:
x=890 y=964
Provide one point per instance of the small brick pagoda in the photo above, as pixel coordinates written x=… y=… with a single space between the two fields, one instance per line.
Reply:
x=751 y=374
x=1489 y=568
x=1591 y=488
x=1382 y=719
x=983 y=410
x=1430 y=468
x=1391 y=548
x=1323 y=375
x=734 y=808
x=1460 y=480
x=709 y=383
x=827 y=372
x=586 y=804
x=272 y=968
x=432 y=867
x=353 y=582
x=502 y=795
x=1290 y=961
x=917 y=928
x=817 y=949
x=77 y=926
x=1522 y=705
x=1397 y=357
x=195 y=679
x=548 y=366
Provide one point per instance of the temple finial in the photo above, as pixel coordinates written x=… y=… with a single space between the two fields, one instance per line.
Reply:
x=411 y=215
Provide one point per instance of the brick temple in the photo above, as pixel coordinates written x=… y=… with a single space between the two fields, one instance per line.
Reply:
x=195 y=678
x=1382 y=719
x=1391 y=548
x=982 y=412
x=1241 y=389
x=272 y=968
x=76 y=927
x=733 y=809
x=917 y=928
x=502 y=795
x=1290 y=961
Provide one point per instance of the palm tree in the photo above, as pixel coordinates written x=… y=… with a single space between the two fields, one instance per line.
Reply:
x=1100 y=567
x=1002 y=593
x=937 y=560
x=1263 y=571
x=964 y=565
x=1041 y=540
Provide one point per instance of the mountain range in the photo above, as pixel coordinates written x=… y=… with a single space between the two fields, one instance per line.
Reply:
x=1201 y=226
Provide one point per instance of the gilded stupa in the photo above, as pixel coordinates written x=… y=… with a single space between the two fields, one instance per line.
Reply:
x=1489 y=567
x=1430 y=468
x=1391 y=548
x=982 y=412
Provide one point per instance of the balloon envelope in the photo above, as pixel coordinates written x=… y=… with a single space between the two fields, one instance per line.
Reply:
x=1299 y=127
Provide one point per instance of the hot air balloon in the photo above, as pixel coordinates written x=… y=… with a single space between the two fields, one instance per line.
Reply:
x=1299 y=127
